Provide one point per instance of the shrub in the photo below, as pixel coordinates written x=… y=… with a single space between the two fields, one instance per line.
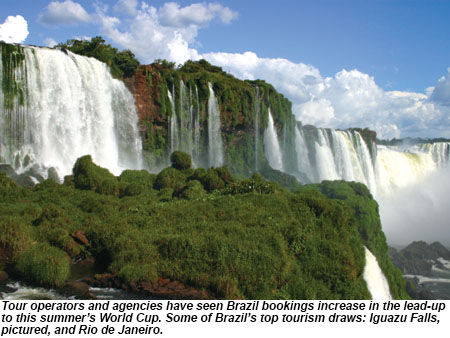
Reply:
x=8 y=189
x=180 y=160
x=135 y=182
x=15 y=237
x=225 y=175
x=192 y=190
x=89 y=176
x=44 y=264
x=211 y=180
x=170 y=178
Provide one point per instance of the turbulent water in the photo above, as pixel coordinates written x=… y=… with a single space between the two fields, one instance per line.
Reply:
x=375 y=279
x=326 y=154
x=72 y=107
x=215 y=146
x=19 y=291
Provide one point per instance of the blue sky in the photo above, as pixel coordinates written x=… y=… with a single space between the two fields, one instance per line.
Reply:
x=381 y=63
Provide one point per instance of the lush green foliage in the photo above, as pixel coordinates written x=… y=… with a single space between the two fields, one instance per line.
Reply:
x=180 y=160
x=237 y=239
x=44 y=264
x=365 y=209
x=13 y=88
x=89 y=176
x=122 y=64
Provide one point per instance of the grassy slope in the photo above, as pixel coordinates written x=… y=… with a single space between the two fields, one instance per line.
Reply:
x=238 y=239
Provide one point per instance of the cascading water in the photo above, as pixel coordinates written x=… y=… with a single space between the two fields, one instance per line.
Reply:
x=257 y=108
x=440 y=152
x=375 y=279
x=72 y=107
x=303 y=162
x=272 y=147
x=173 y=124
x=215 y=146
x=184 y=124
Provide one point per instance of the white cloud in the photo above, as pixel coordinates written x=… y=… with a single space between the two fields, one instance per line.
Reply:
x=441 y=92
x=64 y=13
x=49 y=42
x=127 y=6
x=350 y=98
x=14 y=29
x=171 y=14
x=148 y=38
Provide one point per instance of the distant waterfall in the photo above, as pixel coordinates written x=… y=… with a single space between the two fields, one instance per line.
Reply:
x=375 y=279
x=66 y=106
x=440 y=152
x=184 y=124
x=196 y=152
x=257 y=108
x=272 y=147
x=173 y=125
x=327 y=154
x=303 y=161
x=215 y=146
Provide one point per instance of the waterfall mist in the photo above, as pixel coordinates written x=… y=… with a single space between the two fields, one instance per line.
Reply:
x=419 y=211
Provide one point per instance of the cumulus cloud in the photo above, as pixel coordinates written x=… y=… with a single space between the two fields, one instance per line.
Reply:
x=14 y=29
x=64 y=13
x=171 y=14
x=441 y=92
x=350 y=98
x=126 y=6
x=164 y=32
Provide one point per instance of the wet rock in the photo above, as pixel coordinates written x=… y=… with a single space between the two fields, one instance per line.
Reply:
x=78 y=289
x=8 y=170
x=3 y=277
x=24 y=180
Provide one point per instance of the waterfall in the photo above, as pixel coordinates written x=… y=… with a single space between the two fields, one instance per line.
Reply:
x=326 y=167
x=303 y=162
x=173 y=124
x=440 y=152
x=257 y=108
x=272 y=147
x=375 y=279
x=186 y=126
x=397 y=169
x=196 y=153
x=71 y=107
x=185 y=131
x=215 y=147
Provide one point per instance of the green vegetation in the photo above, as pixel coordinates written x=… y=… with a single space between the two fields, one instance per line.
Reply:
x=248 y=239
x=365 y=208
x=180 y=160
x=237 y=102
x=122 y=64
x=12 y=85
